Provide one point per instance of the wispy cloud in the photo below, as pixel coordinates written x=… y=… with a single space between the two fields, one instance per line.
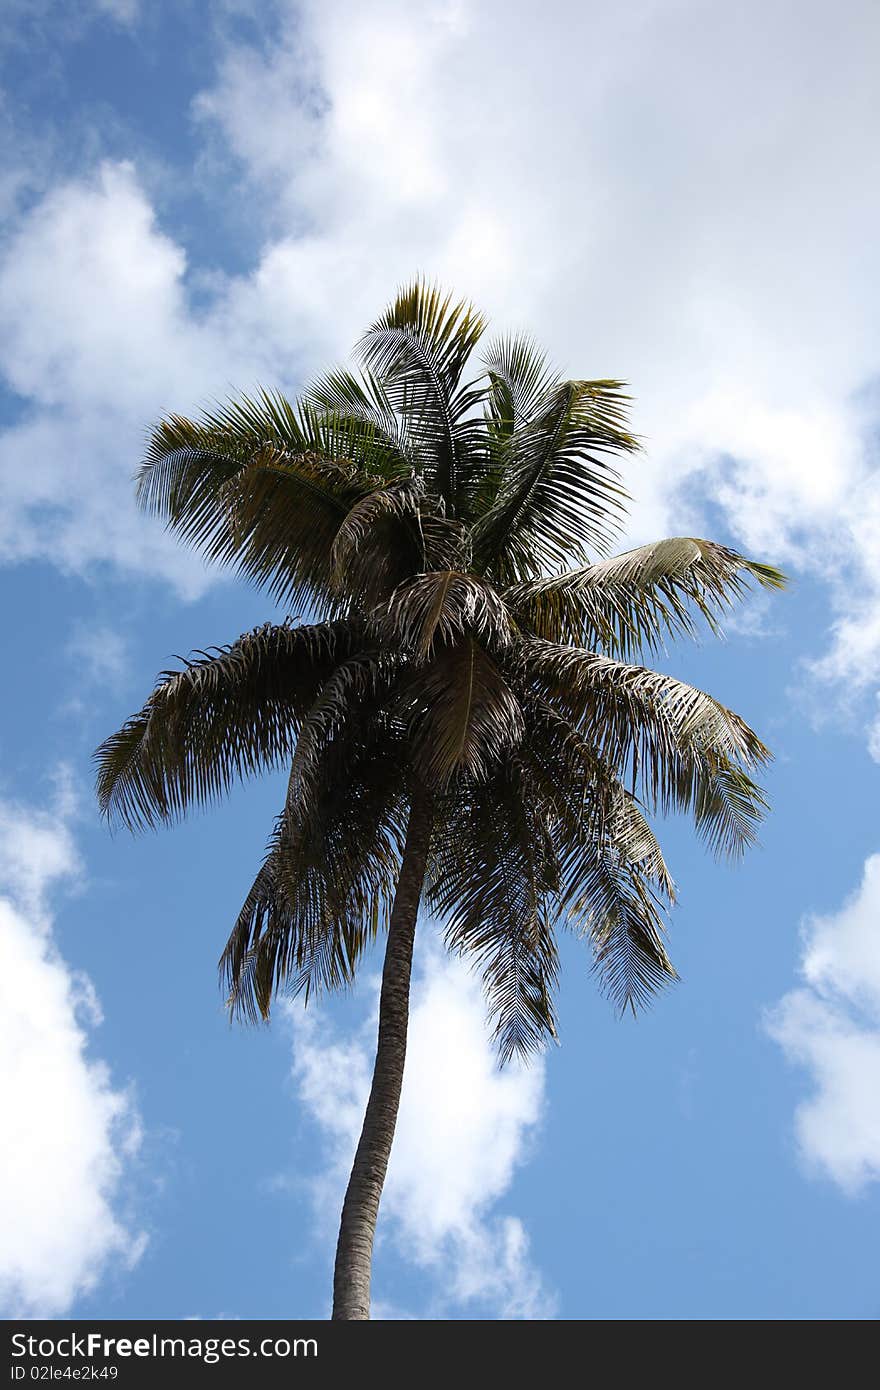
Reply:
x=125 y=12
x=99 y=656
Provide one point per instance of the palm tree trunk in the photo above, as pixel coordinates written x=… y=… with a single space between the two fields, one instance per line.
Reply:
x=354 y=1249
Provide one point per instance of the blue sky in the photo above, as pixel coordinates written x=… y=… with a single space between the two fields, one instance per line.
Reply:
x=196 y=198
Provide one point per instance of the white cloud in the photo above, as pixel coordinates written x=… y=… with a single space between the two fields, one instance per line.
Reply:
x=100 y=338
x=592 y=173
x=464 y=1128
x=630 y=208
x=831 y=1025
x=36 y=849
x=69 y=1134
x=93 y=318
x=95 y=297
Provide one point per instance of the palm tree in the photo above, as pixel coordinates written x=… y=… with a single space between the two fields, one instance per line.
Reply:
x=463 y=716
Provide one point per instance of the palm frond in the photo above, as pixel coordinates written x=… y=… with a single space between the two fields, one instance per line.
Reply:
x=228 y=713
x=278 y=943
x=585 y=803
x=419 y=349
x=681 y=748
x=263 y=486
x=327 y=883
x=728 y=804
x=379 y=543
x=362 y=400
x=620 y=707
x=491 y=877
x=389 y=536
x=520 y=379
x=622 y=919
x=350 y=690
x=437 y=608
x=460 y=713
x=613 y=881
x=630 y=604
x=561 y=494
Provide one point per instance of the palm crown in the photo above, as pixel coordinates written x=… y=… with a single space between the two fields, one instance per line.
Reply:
x=440 y=535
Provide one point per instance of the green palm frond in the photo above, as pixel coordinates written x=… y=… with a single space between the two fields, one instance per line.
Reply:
x=350 y=690
x=327 y=883
x=728 y=805
x=461 y=715
x=434 y=609
x=584 y=801
x=478 y=649
x=683 y=749
x=623 y=920
x=561 y=493
x=227 y=714
x=279 y=943
x=613 y=881
x=492 y=877
x=388 y=536
x=264 y=487
x=632 y=603
x=361 y=402
x=424 y=335
x=632 y=713
x=380 y=542
x=419 y=349
x=520 y=379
